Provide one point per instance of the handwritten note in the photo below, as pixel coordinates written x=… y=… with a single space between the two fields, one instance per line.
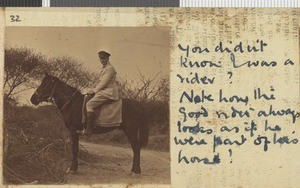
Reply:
x=246 y=131
x=236 y=82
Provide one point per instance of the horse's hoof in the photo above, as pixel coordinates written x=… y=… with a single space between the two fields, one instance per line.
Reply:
x=136 y=170
x=69 y=171
x=134 y=175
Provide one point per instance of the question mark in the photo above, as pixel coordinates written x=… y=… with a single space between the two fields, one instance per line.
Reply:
x=230 y=75
x=230 y=154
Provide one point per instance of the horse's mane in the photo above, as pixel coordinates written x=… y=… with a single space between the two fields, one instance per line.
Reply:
x=65 y=85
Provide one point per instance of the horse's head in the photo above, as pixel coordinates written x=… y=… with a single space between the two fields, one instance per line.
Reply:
x=45 y=90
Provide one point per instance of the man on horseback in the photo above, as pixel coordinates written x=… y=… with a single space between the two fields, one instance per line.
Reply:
x=69 y=101
x=106 y=90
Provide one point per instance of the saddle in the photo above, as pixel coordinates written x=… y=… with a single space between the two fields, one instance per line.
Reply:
x=107 y=115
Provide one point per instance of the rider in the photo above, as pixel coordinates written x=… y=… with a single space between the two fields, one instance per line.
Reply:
x=105 y=90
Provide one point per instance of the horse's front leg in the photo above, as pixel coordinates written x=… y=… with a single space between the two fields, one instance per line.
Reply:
x=75 y=142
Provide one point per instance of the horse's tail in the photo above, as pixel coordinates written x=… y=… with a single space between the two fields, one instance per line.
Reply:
x=144 y=133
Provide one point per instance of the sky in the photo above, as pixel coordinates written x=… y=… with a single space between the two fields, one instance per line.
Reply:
x=131 y=48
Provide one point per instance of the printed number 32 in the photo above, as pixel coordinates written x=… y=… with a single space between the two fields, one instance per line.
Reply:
x=15 y=18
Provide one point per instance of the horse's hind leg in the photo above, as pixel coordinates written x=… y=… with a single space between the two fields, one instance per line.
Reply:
x=136 y=148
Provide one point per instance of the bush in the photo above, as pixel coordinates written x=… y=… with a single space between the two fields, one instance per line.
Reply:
x=159 y=142
x=36 y=145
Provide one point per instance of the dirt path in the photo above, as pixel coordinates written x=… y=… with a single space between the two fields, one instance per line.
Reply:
x=115 y=164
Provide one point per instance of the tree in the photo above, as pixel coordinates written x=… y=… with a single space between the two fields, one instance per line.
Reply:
x=141 y=89
x=153 y=92
x=145 y=88
x=24 y=69
x=21 y=66
x=71 y=71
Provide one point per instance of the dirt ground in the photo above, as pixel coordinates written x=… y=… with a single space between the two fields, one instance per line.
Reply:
x=115 y=164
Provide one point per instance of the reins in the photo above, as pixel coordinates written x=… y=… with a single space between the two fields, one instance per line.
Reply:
x=67 y=101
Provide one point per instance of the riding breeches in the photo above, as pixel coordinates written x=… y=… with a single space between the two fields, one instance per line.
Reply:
x=95 y=102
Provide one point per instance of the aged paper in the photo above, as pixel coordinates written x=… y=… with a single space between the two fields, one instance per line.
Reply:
x=234 y=88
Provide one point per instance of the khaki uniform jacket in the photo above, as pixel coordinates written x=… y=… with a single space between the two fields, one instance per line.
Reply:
x=107 y=86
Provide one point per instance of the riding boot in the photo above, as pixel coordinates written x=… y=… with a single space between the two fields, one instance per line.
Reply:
x=90 y=123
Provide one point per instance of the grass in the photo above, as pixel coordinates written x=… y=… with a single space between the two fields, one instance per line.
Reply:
x=37 y=145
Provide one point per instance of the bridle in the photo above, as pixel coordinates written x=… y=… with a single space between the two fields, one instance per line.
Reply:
x=52 y=91
x=51 y=98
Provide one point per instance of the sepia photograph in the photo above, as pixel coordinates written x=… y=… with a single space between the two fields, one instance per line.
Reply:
x=86 y=105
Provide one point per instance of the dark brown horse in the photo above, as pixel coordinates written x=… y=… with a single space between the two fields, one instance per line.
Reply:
x=69 y=101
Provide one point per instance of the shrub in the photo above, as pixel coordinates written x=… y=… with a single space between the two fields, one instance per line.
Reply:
x=36 y=145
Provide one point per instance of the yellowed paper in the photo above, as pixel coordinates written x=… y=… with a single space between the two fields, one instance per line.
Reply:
x=234 y=89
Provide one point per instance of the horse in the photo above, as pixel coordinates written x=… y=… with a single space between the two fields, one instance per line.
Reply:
x=69 y=101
